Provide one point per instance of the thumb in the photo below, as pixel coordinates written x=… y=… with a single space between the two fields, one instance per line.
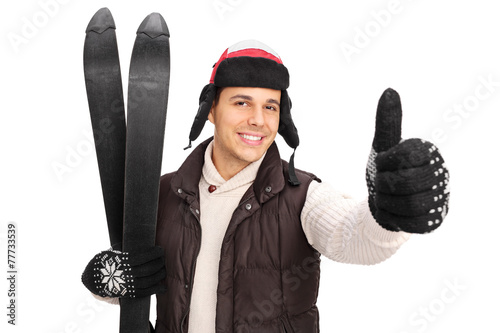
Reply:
x=388 y=121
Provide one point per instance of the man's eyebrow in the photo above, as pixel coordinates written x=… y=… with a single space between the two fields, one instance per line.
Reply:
x=245 y=97
x=250 y=98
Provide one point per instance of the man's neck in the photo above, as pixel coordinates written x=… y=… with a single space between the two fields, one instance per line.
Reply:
x=227 y=168
x=228 y=165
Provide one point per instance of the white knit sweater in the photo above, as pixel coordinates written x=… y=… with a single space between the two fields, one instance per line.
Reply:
x=336 y=225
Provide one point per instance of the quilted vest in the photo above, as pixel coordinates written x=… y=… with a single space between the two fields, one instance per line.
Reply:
x=268 y=272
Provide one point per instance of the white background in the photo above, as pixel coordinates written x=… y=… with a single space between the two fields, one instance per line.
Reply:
x=436 y=54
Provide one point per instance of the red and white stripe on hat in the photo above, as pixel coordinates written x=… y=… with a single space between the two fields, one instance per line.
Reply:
x=247 y=48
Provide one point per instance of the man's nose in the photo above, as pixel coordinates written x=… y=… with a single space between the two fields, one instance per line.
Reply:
x=257 y=117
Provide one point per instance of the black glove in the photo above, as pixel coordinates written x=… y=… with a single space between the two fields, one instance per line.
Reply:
x=407 y=180
x=120 y=274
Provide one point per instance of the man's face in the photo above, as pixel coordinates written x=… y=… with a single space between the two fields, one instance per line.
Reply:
x=246 y=122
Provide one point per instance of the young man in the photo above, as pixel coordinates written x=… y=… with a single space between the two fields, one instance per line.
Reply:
x=242 y=231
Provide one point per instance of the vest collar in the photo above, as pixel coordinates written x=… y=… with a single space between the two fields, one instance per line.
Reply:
x=268 y=182
x=270 y=179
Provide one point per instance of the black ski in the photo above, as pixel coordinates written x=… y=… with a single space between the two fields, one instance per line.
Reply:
x=105 y=98
x=146 y=114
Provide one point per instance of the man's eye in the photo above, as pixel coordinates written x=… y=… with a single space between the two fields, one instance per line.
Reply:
x=272 y=107
x=241 y=103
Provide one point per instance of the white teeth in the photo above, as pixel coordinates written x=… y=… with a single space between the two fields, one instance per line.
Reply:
x=251 y=137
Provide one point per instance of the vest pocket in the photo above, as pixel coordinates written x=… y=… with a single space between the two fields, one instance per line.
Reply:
x=285 y=325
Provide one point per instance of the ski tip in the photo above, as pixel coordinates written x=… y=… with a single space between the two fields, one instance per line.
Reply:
x=101 y=21
x=154 y=25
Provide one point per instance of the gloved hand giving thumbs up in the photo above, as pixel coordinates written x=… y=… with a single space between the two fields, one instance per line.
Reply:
x=407 y=180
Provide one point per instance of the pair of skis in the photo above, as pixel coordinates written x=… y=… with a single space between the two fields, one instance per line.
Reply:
x=129 y=151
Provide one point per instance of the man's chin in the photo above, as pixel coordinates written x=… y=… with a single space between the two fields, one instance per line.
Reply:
x=252 y=154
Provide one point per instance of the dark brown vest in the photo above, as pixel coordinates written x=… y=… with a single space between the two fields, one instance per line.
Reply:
x=268 y=272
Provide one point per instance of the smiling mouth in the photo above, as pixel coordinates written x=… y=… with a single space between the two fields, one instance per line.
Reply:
x=250 y=137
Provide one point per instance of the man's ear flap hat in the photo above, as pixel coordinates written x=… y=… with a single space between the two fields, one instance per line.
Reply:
x=249 y=63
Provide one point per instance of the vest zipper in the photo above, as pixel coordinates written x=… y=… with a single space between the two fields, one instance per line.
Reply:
x=194 y=265
x=192 y=272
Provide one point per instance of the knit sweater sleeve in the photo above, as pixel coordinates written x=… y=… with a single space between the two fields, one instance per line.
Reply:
x=344 y=230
